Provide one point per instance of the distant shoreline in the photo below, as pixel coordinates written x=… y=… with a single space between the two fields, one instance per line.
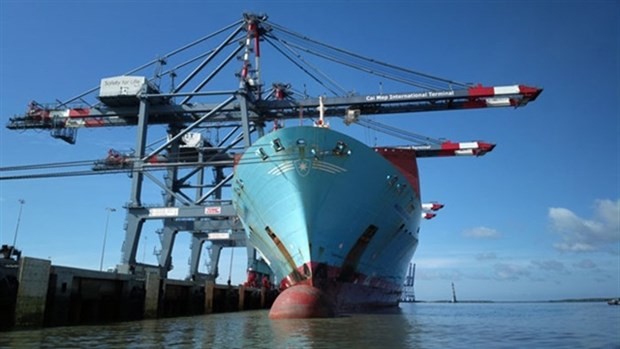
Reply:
x=578 y=300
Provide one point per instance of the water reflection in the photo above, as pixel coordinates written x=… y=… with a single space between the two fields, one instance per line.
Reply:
x=416 y=326
x=384 y=330
x=252 y=329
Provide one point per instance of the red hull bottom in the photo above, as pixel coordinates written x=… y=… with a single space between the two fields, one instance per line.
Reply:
x=302 y=301
x=322 y=291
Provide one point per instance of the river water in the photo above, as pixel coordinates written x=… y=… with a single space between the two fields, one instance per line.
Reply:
x=413 y=325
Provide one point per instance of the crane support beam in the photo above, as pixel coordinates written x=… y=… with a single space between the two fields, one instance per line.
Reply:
x=217 y=243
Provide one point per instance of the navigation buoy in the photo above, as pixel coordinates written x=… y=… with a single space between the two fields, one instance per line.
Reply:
x=301 y=301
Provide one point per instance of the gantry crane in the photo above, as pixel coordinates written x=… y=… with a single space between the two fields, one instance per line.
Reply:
x=188 y=108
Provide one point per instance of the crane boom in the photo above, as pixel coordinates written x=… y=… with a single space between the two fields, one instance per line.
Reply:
x=448 y=148
x=110 y=113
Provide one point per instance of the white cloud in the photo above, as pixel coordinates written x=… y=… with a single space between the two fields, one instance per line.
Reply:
x=550 y=265
x=511 y=272
x=585 y=264
x=440 y=274
x=574 y=247
x=481 y=233
x=584 y=235
x=486 y=256
x=438 y=263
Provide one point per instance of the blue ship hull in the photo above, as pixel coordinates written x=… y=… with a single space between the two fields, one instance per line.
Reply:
x=325 y=210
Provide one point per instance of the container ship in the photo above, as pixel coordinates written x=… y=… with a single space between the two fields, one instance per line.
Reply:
x=337 y=221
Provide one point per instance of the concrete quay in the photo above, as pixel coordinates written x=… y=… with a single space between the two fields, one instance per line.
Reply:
x=35 y=293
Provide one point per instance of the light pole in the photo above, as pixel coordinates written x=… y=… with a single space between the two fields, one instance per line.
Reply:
x=19 y=218
x=105 y=235
x=144 y=249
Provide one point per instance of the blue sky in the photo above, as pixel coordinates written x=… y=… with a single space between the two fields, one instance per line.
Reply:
x=538 y=218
